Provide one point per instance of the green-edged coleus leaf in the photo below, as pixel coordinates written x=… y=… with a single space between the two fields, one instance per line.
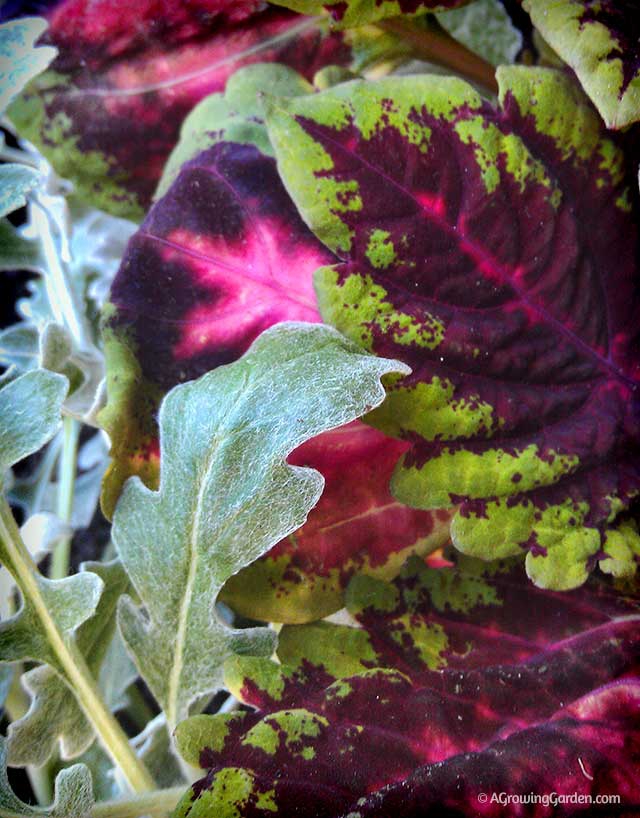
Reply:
x=226 y=496
x=222 y=256
x=108 y=112
x=494 y=251
x=54 y=715
x=73 y=794
x=452 y=681
x=600 y=40
x=350 y=13
x=20 y=60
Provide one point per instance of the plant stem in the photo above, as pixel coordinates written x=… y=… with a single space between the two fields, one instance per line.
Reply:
x=156 y=804
x=66 y=484
x=71 y=661
x=438 y=46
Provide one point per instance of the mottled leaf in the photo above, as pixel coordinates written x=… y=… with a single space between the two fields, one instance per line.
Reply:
x=447 y=680
x=54 y=715
x=226 y=496
x=73 y=796
x=222 y=256
x=600 y=40
x=494 y=251
x=233 y=116
x=356 y=526
x=20 y=60
x=138 y=71
x=350 y=13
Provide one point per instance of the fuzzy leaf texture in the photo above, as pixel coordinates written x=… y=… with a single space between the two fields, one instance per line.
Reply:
x=54 y=715
x=20 y=60
x=452 y=681
x=51 y=609
x=226 y=496
x=494 y=251
x=222 y=256
x=73 y=794
x=350 y=13
x=601 y=42
x=138 y=70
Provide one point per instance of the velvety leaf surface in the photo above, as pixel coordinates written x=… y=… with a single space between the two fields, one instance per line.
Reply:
x=222 y=256
x=20 y=60
x=503 y=271
x=73 y=794
x=226 y=496
x=600 y=40
x=453 y=681
x=349 y=13
x=109 y=111
x=54 y=714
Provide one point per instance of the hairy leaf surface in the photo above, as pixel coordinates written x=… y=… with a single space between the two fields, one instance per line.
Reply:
x=20 y=60
x=109 y=111
x=494 y=251
x=601 y=42
x=226 y=496
x=222 y=256
x=54 y=714
x=73 y=794
x=350 y=13
x=440 y=691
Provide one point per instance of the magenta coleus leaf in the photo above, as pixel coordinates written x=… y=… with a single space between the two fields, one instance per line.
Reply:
x=453 y=681
x=108 y=112
x=220 y=258
x=600 y=40
x=494 y=250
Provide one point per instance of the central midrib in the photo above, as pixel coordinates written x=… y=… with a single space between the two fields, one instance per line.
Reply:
x=480 y=252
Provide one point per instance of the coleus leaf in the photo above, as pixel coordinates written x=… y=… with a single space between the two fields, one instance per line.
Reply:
x=138 y=71
x=222 y=256
x=73 y=794
x=350 y=13
x=600 y=41
x=489 y=271
x=448 y=680
x=226 y=496
x=485 y=27
x=54 y=715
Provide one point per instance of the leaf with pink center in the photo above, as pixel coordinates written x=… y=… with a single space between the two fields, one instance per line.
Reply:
x=108 y=112
x=440 y=690
x=477 y=244
x=221 y=257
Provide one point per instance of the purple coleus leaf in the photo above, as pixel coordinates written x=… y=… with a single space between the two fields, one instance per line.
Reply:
x=221 y=257
x=494 y=250
x=600 y=40
x=108 y=112
x=450 y=682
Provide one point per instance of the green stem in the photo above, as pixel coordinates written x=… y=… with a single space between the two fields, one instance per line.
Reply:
x=436 y=45
x=66 y=484
x=71 y=661
x=156 y=804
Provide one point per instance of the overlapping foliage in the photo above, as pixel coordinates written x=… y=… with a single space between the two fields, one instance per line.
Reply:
x=477 y=246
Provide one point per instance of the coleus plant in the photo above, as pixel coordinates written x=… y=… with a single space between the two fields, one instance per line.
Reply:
x=387 y=566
